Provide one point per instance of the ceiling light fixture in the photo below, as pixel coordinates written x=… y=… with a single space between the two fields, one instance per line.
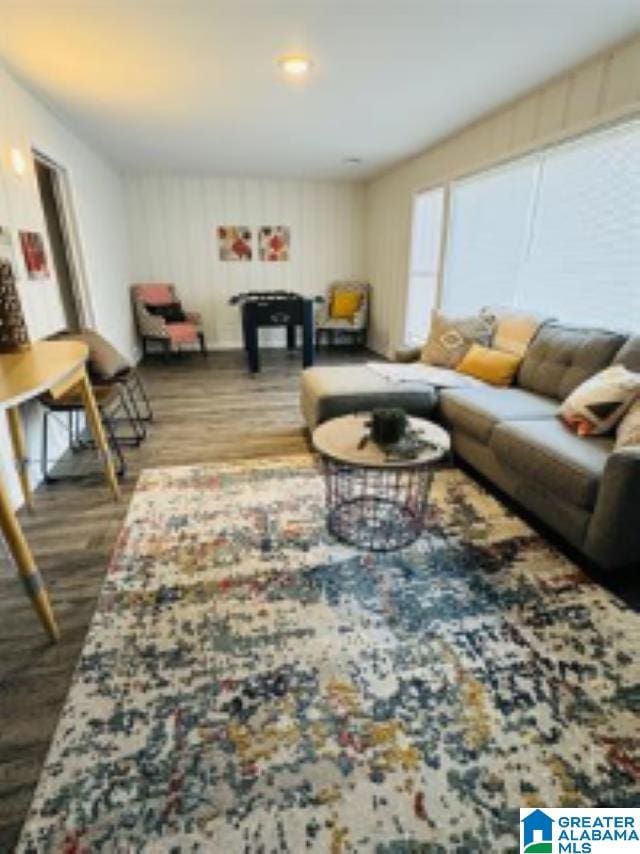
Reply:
x=295 y=65
x=353 y=161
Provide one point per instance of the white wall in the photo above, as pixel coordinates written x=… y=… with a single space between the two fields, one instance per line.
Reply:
x=601 y=90
x=173 y=221
x=98 y=201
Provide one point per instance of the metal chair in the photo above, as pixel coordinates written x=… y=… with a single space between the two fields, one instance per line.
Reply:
x=108 y=399
x=107 y=367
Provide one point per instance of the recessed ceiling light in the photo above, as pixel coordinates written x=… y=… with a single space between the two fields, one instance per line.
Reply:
x=295 y=65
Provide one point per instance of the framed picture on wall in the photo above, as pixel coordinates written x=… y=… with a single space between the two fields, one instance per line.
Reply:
x=35 y=256
x=274 y=243
x=234 y=243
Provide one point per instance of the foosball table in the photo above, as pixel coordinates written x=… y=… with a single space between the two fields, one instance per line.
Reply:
x=275 y=309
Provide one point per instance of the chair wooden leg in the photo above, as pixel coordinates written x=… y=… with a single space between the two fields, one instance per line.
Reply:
x=203 y=347
x=95 y=425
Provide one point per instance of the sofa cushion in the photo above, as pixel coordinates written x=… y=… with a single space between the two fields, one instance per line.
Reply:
x=476 y=411
x=560 y=358
x=629 y=354
x=328 y=392
x=548 y=453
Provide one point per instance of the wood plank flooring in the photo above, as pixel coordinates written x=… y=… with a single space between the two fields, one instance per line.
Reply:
x=206 y=410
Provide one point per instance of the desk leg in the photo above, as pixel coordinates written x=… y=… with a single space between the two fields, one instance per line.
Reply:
x=25 y=563
x=95 y=425
x=20 y=454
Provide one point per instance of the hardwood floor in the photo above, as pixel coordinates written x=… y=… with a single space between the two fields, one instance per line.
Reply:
x=206 y=410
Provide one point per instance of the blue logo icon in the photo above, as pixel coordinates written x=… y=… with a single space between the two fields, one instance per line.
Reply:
x=537 y=833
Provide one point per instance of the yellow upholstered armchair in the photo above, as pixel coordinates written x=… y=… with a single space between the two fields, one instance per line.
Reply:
x=346 y=311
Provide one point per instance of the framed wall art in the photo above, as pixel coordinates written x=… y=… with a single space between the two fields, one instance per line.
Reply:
x=234 y=243
x=35 y=256
x=274 y=243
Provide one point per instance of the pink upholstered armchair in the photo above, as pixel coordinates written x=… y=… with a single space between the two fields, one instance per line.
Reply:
x=160 y=317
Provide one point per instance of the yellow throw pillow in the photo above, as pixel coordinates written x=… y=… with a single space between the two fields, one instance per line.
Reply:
x=492 y=366
x=345 y=304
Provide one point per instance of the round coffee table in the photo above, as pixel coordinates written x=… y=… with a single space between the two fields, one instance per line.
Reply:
x=373 y=502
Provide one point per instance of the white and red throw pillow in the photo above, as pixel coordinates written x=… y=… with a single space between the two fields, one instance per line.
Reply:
x=628 y=433
x=598 y=404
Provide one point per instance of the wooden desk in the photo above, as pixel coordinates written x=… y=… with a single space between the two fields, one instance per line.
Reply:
x=53 y=366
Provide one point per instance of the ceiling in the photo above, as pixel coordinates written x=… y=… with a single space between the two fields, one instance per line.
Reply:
x=192 y=85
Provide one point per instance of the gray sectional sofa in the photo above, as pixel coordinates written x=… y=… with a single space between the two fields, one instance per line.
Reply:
x=579 y=487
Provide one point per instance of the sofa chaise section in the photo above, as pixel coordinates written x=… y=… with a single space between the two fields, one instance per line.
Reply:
x=328 y=392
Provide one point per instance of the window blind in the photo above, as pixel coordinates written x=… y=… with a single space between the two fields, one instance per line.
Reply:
x=583 y=259
x=557 y=233
x=424 y=264
x=488 y=228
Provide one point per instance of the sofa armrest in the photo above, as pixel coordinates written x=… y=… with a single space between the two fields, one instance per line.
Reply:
x=407 y=354
x=613 y=538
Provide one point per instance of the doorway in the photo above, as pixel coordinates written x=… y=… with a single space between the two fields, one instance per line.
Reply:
x=55 y=202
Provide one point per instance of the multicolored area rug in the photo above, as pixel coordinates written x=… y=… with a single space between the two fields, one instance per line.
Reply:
x=249 y=685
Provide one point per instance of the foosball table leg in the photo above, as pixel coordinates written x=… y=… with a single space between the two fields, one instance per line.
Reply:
x=307 y=334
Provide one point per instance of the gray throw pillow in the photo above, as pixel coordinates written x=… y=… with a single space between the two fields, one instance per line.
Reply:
x=450 y=338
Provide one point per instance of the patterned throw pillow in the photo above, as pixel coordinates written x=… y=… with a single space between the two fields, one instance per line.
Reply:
x=629 y=428
x=598 y=404
x=450 y=338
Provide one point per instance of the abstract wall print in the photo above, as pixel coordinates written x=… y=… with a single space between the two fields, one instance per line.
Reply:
x=234 y=243
x=35 y=257
x=13 y=329
x=274 y=242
